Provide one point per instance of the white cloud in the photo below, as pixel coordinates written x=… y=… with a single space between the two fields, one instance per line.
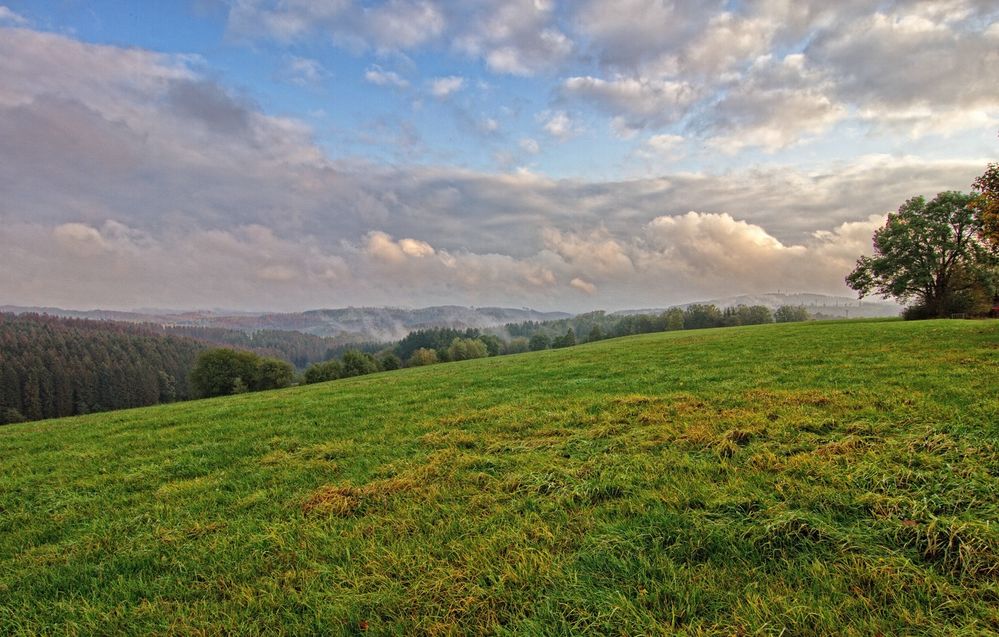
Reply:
x=380 y=77
x=444 y=87
x=663 y=147
x=304 y=71
x=516 y=37
x=529 y=145
x=583 y=286
x=559 y=124
x=7 y=16
x=638 y=102
x=389 y=26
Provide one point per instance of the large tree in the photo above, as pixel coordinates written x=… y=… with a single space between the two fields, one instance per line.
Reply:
x=928 y=252
x=987 y=205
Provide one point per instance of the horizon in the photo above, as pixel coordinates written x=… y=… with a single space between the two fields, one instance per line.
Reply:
x=222 y=311
x=418 y=153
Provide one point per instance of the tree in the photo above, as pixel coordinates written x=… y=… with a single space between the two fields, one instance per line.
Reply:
x=167 y=387
x=322 y=372
x=698 y=316
x=492 y=342
x=927 y=252
x=596 y=334
x=754 y=314
x=791 y=314
x=389 y=361
x=539 y=342
x=272 y=373
x=673 y=319
x=566 y=340
x=987 y=205
x=423 y=356
x=466 y=348
x=358 y=363
x=219 y=372
x=9 y=415
x=517 y=345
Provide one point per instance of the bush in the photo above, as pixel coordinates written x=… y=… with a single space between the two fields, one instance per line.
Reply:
x=791 y=314
x=358 y=363
x=539 y=342
x=389 y=361
x=466 y=348
x=221 y=371
x=517 y=345
x=272 y=373
x=916 y=312
x=423 y=356
x=698 y=316
x=322 y=372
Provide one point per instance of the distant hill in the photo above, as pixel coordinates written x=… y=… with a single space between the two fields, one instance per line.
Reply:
x=358 y=323
x=818 y=305
x=384 y=324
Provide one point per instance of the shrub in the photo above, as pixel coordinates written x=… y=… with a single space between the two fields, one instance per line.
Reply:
x=322 y=372
x=466 y=348
x=423 y=356
x=389 y=361
x=791 y=314
x=219 y=372
x=358 y=363
x=539 y=342
x=222 y=371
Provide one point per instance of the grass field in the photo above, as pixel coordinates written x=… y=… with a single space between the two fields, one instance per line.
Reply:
x=823 y=478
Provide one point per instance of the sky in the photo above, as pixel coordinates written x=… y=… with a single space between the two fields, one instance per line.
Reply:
x=595 y=154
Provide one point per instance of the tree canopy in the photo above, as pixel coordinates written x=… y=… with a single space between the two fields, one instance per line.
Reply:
x=928 y=252
x=987 y=205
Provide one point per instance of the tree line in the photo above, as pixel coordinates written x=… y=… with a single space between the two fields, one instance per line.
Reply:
x=298 y=348
x=444 y=344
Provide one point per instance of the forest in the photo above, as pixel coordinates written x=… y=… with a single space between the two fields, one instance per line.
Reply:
x=51 y=367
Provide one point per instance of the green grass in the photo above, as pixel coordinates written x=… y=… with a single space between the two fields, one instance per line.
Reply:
x=835 y=479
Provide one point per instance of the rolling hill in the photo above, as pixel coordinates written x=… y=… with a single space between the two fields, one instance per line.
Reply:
x=805 y=479
x=358 y=323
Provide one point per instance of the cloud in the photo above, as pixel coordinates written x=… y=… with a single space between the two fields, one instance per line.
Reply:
x=444 y=87
x=583 y=286
x=772 y=74
x=516 y=37
x=717 y=68
x=559 y=125
x=663 y=147
x=303 y=71
x=80 y=239
x=637 y=102
x=778 y=104
x=380 y=77
x=388 y=26
x=529 y=146
x=7 y=16
x=133 y=179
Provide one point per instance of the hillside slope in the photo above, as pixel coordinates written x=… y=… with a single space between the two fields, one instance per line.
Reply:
x=837 y=478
